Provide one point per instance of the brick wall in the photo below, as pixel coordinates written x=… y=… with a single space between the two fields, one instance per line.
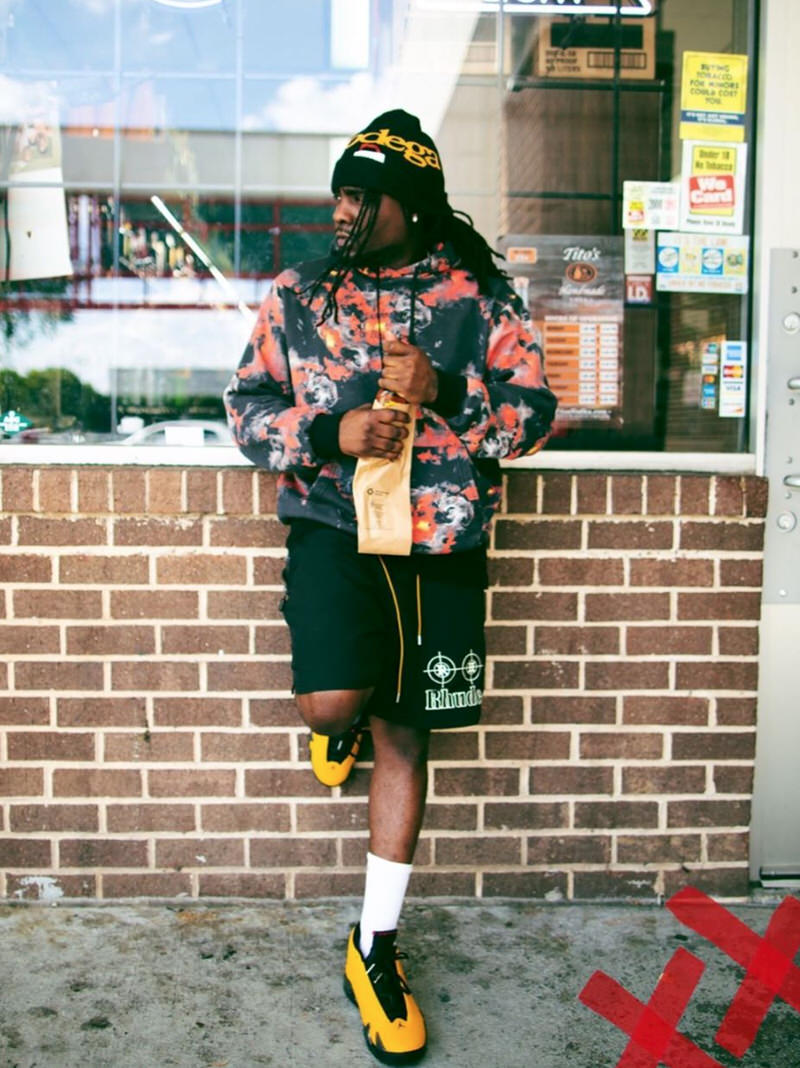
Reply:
x=149 y=744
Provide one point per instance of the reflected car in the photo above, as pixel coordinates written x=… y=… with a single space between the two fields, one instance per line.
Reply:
x=181 y=432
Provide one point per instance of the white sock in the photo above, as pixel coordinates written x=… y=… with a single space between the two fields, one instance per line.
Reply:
x=385 y=888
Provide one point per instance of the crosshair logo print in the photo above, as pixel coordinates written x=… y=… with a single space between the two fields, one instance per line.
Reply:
x=442 y=669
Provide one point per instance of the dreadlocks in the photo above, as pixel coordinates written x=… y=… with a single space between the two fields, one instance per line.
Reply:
x=342 y=258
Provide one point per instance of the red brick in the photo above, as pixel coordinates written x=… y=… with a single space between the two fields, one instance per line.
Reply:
x=592 y=494
x=528 y=884
x=6 y=531
x=556 y=492
x=25 y=853
x=149 y=746
x=169 y=532
x=686 y=711
x=245 y=533
x=125 y=570
x=498 y=710
x=21 y=782
x=630 y=535
x=203 y=639
x=238 y=604
x=528 y=815
x=592 y=709
x=708 y=814
x=283 y=782
x=26 y=567
x=129 y=488
x=569 y=849
x=41 y=530
x=331 y=816
x=30 y=640
x=293 y=852
x=241 y=884
x=191 y=782
x=506 y=640
x=625 y=606
x=20 y=888
x=272 y=638
x=716 y=882
x=452 y=745
x=627 y=493
x=234 y=818
x=88 y=782
x=32 y=817
x=597 y=885
x=675 y=572
x=527 y=745
x=738 y=641
x=202 y=569
x=18 y=489
x=535 y=674
x=719 y=605
x=725 y=537
x=741 y=573
x=537 y=534
x=254 y=746
x=694 y=494
x=756 y=495
x=719 y=675
x=274 y=712
x=510 y=571
x=180 y=853
x=689 y=779
x=621 y=745
x=691 y=641
x=722 y=847
x=237 y=492
x=165 y=491
x=626 y=675
x=728 y=495
x=440 y=816
x=49 y=745
x=201 y=491
x=571 y=780
x=154 y=675
x=108 y=640
x=24 y=711
x=197 y=712
x=267 y=492
x=55 y=490
x=101 y=711
x=608 y=814
x=714 y=745
x=658 y=848
x=139 y=818
x=661 y=494
x=475 y=782
x=57 y=604
x=94 y=490
x=268 y=570
x=534 y=606
x=329 y=884
x=259 y=675
x=102 y=853
x=736 y=711
x=733 y=780
x=152 y=884
x=573 y=571
x=478 y=851
x=154 y=604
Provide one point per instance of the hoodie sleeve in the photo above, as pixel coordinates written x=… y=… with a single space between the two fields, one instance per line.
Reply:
x=268 y=426
x=509 y=411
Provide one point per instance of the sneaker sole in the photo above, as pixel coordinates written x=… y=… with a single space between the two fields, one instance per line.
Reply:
x=384 y=1056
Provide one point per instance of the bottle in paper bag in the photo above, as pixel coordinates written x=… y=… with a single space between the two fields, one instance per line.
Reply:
x=382 y=491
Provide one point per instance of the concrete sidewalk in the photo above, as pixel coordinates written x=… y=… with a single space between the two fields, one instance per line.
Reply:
x=246 y=985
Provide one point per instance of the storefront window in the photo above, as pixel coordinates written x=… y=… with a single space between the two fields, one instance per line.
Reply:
x=161 y=163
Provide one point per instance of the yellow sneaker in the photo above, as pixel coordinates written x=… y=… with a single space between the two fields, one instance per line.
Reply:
x=333 y=755
x=394 y=1027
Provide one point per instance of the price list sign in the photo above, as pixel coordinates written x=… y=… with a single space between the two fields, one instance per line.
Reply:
x=582 y=359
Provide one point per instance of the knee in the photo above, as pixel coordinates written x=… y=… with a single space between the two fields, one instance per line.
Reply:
x=332 y=711
x=405 y=745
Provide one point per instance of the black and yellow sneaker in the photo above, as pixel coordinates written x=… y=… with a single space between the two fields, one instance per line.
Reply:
x=394 y=1027
x=333 y=755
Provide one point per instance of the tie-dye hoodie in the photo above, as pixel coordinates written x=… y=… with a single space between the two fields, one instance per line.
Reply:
x=493 y=397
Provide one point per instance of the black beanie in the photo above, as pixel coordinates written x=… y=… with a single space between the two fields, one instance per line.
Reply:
x=393 y=155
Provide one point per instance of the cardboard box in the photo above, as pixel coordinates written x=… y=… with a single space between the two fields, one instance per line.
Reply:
x=585 y=49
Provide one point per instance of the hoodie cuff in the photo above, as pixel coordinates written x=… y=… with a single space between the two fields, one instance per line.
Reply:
x=450 y=395
x=324 y=436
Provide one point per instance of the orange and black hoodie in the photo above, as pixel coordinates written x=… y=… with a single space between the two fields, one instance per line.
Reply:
x=298 y=376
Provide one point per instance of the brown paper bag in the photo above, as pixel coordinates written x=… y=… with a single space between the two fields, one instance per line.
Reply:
x=382 y=491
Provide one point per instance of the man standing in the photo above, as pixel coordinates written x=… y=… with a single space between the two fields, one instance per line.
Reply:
x=409 y=301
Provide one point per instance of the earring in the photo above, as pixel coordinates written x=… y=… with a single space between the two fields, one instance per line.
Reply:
x=415 y=218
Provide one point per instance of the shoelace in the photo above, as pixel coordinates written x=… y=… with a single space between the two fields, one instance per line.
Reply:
x=388 y=984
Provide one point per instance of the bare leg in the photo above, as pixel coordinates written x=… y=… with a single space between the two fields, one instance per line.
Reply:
x=397 y=789
x=332 y=711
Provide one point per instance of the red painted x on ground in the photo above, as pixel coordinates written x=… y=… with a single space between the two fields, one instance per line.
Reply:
x=652 y=1028
x=769 y=960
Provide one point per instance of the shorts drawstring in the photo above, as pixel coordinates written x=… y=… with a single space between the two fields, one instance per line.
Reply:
x=399 y=628
x=419 y=610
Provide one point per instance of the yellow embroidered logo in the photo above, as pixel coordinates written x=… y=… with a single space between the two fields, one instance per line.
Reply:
x=413 y=152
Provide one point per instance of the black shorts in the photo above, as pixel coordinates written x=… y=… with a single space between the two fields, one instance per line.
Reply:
x=409 y=626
